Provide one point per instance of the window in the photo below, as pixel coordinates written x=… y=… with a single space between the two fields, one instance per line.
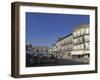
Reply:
x=75 y=41
x=87 y=45
x=74 y=34
x=87 y=37
x=46 y=50
x=82 y=31
x=82 y=46
x=74 y=48
x=87 y=30
x=37 y=50
x=78 y=33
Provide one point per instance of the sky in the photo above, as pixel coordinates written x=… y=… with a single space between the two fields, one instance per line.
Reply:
x=43 y=29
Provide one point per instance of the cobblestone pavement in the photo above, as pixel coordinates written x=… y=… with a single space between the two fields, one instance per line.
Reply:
x=63 y=62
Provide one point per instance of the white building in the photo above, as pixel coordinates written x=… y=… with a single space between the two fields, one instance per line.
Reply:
x=74 y=45
x=37 y=50
x=63 y=47
x=81 y=41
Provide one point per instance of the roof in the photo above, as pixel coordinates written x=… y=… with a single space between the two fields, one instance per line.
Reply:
x=40 y=47
x=61 y=38
x=81 y=26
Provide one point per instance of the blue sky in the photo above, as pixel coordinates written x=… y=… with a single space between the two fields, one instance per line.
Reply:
x=43 y=29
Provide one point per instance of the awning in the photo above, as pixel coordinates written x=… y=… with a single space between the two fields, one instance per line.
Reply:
x=79 y=52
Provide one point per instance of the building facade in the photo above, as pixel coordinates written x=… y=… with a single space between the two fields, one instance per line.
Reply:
x=63 y=47
x=74 y=45
x=38 y=55
x=37 y=50
x=81 y=42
